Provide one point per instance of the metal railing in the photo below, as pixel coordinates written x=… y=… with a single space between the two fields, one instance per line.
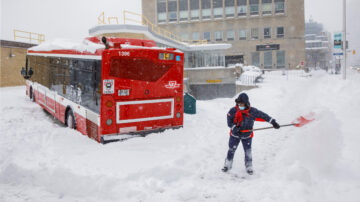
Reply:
x=132 y=17
x=101 y=19
x=31 y=36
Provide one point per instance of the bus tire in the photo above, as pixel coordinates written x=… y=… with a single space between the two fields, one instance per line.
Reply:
x=31 y=94
x=70 y=119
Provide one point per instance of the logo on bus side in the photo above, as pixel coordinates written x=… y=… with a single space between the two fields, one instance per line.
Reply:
x=124 y=53
x=108 y=86
x=172 y=85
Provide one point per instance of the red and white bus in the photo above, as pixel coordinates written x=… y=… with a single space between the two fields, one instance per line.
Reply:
x=125 y=87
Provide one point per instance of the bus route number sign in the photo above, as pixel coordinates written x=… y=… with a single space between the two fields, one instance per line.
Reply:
x=166 y=56
x=108 y=86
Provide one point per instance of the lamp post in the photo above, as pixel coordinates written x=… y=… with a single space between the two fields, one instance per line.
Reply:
x=344 y=41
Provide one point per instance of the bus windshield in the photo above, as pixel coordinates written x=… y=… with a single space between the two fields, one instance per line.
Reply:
x=142 y=69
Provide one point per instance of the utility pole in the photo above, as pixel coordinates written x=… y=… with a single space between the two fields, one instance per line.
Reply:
x=344 y=40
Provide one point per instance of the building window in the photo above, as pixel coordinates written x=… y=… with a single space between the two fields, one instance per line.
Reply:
x=280 y=59
x=229 y=8
x=267 y=33
x=242 y=34
x=255 y=59
x=266 y=6
x=195 y=36
x=230 y=35
x=207 y=36
x=242 y=7
x=268 y=59
x=161 y=11
x=172 y=10
x=194 y=9
x=279 y=6
x=254 y=7
x=280 y=32
x=218 y=8
x=184 y=36
x=206 y=9
x=183 y=10
x=254 y=33
x=218 y=36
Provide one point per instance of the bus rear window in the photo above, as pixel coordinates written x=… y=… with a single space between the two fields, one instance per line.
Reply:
x=142 y=69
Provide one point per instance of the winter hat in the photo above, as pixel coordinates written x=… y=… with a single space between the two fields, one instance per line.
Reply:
x=243 y=98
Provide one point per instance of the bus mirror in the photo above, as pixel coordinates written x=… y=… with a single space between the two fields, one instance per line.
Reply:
x=31 y=72
x=103 y=39
x=26 y=73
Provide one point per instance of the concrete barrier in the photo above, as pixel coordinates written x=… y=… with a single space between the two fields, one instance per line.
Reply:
x=211 y=82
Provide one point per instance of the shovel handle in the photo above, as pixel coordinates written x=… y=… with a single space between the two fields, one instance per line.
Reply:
x=291 y=124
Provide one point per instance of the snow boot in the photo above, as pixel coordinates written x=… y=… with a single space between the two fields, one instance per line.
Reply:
x=227 y=165
x=249 y=170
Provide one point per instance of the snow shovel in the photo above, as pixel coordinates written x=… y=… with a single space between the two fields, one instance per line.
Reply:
x=299 y=122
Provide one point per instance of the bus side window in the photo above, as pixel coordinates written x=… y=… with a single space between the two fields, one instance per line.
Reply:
x=44 y=71
x=55 y=74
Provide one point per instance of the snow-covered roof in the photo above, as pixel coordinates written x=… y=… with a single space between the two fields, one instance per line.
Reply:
x=66 y=44
x=139 y=29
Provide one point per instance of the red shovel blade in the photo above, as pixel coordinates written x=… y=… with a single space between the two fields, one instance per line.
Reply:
x=302 y=120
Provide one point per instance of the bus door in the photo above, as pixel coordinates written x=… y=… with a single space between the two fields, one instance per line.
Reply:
x=47 y=99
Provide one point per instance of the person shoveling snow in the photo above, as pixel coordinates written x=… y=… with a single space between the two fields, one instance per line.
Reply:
x=241 y=120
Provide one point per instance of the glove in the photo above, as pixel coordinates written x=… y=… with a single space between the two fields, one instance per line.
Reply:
x=235 y=129
x=275 y=124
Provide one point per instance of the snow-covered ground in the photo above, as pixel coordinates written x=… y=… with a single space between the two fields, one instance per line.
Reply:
x=41 y=160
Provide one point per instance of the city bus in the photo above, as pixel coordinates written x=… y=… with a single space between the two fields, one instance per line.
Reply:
x=121 y=88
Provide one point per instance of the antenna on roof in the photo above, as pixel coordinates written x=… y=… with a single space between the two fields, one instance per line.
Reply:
x=103 y=39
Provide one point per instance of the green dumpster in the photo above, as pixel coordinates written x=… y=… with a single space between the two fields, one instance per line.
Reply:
x=189 y=104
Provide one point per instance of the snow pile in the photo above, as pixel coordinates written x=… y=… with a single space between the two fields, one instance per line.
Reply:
x=251 y=69
x=66 y=44
x=40 y=160
x=250 y=75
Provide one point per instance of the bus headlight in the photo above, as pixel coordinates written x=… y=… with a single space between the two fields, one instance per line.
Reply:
x=178 y=115
x=108 y=122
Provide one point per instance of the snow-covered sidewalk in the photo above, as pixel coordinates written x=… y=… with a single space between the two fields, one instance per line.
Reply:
x=41 y=160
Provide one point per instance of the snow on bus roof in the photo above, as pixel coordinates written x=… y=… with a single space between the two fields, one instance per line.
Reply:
x=86 y=46
x=145 y=47
x=66 y=44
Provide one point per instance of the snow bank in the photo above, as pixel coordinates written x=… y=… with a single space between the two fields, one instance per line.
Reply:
x=66 y=44
x=320 y=144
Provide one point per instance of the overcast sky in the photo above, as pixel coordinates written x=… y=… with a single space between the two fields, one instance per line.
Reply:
x=73 y=18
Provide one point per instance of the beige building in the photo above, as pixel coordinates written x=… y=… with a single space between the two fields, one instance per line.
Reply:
x=264 y=33
x=13 y=57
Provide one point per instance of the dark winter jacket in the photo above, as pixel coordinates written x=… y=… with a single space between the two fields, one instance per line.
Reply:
x=242 y=120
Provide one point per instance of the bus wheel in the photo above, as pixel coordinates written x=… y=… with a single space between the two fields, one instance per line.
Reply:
x=30 y=94
x=70 y=119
